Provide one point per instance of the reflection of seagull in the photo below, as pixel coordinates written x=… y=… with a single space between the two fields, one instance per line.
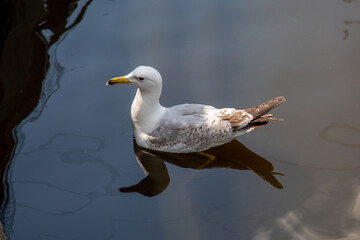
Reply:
x=232 y=155
x=188 y=127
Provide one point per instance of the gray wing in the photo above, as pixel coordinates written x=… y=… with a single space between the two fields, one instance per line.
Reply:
x=179 y=122
x=195 y=125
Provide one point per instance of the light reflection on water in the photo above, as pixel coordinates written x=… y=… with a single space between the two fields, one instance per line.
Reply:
x=76 y=151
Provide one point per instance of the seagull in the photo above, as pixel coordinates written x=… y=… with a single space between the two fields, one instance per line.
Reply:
x=186 y=128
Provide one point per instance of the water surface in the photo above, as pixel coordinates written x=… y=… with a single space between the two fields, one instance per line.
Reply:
x=73 y=146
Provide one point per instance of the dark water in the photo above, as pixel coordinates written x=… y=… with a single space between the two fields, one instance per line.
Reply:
x=66 y=143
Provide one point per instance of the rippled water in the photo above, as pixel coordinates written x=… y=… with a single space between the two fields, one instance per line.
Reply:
x=73 y=147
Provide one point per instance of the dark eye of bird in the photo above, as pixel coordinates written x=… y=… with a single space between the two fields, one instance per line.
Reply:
x=141 y=78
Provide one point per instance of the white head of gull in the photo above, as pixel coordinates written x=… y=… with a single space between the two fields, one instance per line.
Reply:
x=187 y=127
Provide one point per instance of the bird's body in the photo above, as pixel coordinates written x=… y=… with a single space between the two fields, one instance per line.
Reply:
x=187 y=127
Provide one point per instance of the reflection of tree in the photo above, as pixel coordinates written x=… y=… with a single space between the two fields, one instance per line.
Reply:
x=59 y=11
x=233 y=155
x=28 y=30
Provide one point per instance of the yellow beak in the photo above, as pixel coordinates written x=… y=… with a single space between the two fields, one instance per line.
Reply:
x=118 y=80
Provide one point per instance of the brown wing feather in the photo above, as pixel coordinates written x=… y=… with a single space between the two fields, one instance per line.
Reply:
x=258 y=112
x=261 y=109
x=240 y=118
x=236 y=119
x=266 y=118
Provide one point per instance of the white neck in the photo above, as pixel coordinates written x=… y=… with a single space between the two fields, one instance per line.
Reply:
x=146 y=110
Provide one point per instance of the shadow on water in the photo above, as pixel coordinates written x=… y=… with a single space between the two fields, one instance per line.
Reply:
x=233 y=155
x=28 y=30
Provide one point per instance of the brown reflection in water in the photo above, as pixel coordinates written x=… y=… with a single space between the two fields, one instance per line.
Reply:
x=346 y=31
x=352 y=22
x=233 y=155
x=2 y=234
